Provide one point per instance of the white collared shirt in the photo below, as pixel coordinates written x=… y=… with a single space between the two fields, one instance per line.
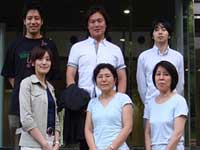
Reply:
x=146 y=63
x=85 y=57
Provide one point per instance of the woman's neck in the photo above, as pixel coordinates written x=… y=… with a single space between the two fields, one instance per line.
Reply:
x=108 y=94
x=164 y=96
x=42 y=78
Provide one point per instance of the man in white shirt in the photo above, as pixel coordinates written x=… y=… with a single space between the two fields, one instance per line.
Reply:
x=161 y=34
x=86 y=55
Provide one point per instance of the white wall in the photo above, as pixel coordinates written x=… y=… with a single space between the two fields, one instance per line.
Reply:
x=197 y=42
x=197 y=8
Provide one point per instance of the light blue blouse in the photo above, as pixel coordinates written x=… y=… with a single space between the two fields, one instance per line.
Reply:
x=107 y=121
x=162 y=116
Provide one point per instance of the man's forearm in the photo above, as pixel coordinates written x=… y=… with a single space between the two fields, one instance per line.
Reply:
x=122 y=86
x=12 y=81
x=70 y=81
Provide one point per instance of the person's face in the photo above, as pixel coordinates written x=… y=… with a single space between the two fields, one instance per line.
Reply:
x=33 y=22
x=105 y=80
x=43 y=65
x=163 y=80
x=97 y=26
x=160 y=34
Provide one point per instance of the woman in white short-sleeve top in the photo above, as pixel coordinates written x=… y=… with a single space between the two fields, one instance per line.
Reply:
x=167 y=113
x=109 y=116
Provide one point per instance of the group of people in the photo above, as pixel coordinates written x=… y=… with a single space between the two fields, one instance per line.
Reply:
x=32 y=66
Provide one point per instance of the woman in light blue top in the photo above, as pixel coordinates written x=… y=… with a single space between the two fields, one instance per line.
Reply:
x=109 y=116
x=167 y=113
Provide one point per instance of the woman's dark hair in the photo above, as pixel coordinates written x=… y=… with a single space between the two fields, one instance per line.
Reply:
x=100 y=9
x=105 y=66
x=38 y=52
x=163 y=22
x=171 y=69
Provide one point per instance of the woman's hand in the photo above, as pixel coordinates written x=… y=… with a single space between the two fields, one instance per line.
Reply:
x=56 y=142
x=110 y=147
x=56 y=146
x=46 y=146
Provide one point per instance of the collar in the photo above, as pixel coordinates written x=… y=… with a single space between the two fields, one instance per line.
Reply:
x=93 y=41
x=158 y=51
x=35 y=80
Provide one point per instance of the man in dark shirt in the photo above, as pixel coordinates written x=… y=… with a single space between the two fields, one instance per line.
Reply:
x=17 y=65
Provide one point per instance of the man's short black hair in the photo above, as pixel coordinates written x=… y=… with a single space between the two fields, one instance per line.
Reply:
x=33 y=5
x=163 y=22
x=171 y=69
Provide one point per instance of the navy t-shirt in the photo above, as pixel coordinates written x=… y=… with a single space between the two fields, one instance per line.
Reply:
x=17 y=66
x=51 y=111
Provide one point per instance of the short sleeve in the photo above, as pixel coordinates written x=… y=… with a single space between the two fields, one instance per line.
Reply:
x=181 y=108
x=120 y=63
x=73 y=57
x=146 y=111
x=90 y=105
x=126 y=100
